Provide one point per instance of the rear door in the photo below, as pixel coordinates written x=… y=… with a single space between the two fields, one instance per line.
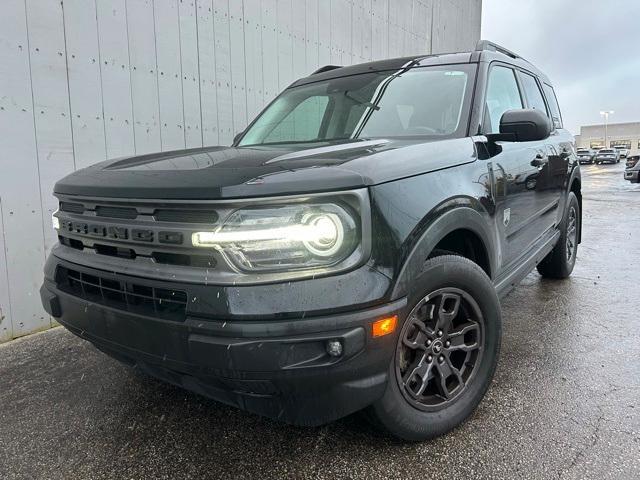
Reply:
x=551 y=166
x=521 y=167
x=560 y=163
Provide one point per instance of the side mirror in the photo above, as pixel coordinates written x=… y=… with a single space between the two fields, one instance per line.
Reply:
x=525 y=125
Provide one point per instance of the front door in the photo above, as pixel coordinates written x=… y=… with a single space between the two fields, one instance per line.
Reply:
x=525 y=210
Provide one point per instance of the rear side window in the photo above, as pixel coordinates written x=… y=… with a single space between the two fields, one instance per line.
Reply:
x=533 y=93
x=553 y=105
x=502 y=95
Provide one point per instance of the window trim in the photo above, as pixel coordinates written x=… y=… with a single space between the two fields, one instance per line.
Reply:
x=493 y=65
x=555 y=97
x=521 y=73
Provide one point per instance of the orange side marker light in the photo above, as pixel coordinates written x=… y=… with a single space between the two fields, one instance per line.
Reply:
x=384 y=326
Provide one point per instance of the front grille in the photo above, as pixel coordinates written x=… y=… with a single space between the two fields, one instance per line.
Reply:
x=166 y=258
x=71 y=207
x=141 y=231
x=186 y=216
x=116 y=212
x=162 y=303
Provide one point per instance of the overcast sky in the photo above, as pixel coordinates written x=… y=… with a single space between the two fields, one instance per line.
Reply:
x=590 y=49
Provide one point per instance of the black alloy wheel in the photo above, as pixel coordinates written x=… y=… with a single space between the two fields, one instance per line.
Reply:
x=572 y=233
x=439 y=349
x=560 y=261
x=445 y=353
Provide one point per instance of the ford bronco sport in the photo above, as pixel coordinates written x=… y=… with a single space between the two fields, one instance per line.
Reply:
x=347 y=252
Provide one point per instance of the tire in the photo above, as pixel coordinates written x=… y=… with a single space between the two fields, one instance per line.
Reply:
x=560 y=261
x=472 y=322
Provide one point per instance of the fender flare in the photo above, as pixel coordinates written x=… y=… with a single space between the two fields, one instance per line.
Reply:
x=576 y=175
x=464 y=217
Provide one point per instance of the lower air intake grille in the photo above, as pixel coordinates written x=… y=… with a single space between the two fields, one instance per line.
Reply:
x=150 y=301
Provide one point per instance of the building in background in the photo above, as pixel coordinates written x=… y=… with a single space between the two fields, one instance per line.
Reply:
x=623 y=135
x=82 y=81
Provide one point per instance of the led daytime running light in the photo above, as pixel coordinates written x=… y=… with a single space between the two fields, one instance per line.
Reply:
x=322 y=234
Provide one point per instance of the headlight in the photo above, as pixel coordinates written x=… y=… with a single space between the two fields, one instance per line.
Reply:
x=55 y=221
x=286 y=237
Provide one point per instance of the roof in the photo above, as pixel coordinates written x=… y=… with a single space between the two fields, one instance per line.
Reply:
x=330 y=72
x=485 y=51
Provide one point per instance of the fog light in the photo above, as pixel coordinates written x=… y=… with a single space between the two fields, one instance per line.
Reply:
x=334 y=348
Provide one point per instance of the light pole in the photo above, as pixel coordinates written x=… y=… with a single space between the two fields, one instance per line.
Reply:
x=606 y=114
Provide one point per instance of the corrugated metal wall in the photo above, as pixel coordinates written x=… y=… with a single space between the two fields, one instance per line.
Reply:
x=86 y=80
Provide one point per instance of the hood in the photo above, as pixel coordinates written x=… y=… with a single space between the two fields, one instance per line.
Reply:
x=240 y=172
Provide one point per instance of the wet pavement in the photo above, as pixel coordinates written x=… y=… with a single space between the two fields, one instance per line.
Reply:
x=565 y=402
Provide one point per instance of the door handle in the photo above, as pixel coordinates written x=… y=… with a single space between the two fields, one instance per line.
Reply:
x=540 y=160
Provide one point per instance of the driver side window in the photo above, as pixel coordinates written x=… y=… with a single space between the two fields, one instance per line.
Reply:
x=502 y=95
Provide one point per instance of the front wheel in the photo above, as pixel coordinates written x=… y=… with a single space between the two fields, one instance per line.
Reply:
x=446 y=352
x=560 y=261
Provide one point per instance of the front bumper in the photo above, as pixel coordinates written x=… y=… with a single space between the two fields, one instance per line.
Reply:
x=632 y=176
x=274 y=367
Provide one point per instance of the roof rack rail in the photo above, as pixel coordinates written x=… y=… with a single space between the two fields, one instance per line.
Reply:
x=326 y=68
x=494 y=47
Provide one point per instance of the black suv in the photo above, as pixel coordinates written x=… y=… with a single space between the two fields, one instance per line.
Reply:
x=346 y=252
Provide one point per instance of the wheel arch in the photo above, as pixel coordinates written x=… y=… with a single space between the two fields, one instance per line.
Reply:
x=463 y=227
x=575 y=186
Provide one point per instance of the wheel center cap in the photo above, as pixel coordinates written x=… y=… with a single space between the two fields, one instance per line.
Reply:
x=437 y=346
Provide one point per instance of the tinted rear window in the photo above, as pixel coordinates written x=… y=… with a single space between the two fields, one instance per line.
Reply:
x=553 y=105
x=533 y=93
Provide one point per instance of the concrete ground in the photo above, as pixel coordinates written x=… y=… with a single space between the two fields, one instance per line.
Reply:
x=565 y=402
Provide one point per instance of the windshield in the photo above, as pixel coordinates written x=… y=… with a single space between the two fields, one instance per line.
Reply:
x=423 y=101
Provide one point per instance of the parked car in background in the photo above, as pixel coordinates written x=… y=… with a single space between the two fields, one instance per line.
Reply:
x=608 y=155
x=624 y=152
x=632 y=170
x=586 y=155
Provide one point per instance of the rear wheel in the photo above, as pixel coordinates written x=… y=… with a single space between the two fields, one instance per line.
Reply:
x=560 y=261
x=446 y=352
